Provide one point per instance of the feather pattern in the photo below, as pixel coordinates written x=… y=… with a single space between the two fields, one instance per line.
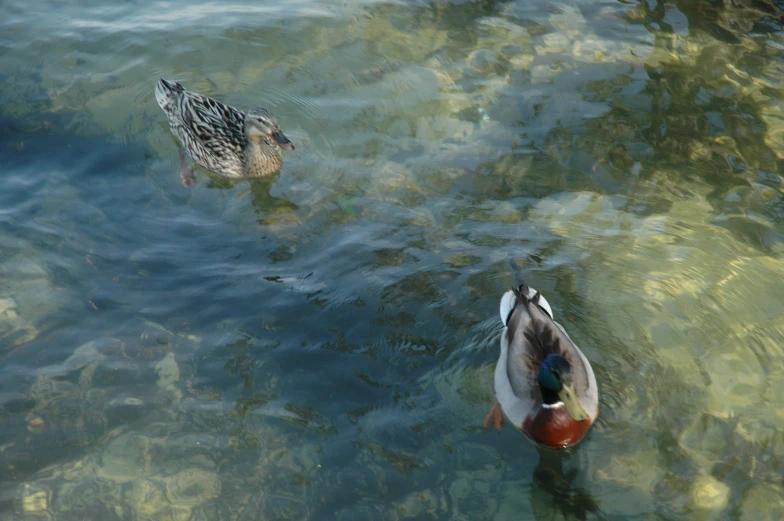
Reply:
x=218 y=136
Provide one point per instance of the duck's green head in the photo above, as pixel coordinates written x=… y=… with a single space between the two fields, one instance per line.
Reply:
x=555 y=382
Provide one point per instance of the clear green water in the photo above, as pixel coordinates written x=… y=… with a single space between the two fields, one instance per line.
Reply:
x=320 y=345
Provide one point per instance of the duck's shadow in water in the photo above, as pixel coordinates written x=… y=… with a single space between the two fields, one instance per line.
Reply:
x=553 y=492
x=266 y=205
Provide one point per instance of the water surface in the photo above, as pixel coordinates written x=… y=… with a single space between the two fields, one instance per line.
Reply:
x=320 y=344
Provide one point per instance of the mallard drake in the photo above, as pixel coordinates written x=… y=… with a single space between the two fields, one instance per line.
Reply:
x=221 y=138
x=543 y=383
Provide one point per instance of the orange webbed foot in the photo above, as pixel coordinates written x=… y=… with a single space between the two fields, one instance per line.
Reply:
x=187 y=177
x=495 y=417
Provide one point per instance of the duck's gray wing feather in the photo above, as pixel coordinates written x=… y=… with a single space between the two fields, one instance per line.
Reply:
x=547 y=336
x=522 y=363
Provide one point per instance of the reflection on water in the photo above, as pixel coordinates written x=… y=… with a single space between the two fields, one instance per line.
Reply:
x=552 y=487
x=320 y=344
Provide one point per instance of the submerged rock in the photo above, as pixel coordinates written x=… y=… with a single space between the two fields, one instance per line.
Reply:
x=486 y=62
x=762 y=502
x=735 y=382
x=707 y=439
x=471 y=499
x=147 y=499
x=708 y=493
x=638 y=469
x=172 y=498
x=35 y=423
x=85 y=495
x=123 y=409
x=36 y=500
x=30 y=297
x=45 y=390
x=422 y=504
x=193 y=449
x=85 y=360
x=168 y=372
x=192 y=487
x=12 y=326
x=467 y=391
x=126 y=458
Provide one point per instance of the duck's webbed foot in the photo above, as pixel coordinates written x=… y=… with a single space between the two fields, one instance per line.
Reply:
x=494 y=417
x=186 y=174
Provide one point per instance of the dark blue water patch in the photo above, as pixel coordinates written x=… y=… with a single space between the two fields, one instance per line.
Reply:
x=74 y=156
x=177 y=273
x=768 y=25
x=33 y=452
x=32 y=193
x=102 y=217
x=22 y=93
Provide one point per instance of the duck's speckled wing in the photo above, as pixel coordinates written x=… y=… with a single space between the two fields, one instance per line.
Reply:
x=212 y=132
x=219 y=127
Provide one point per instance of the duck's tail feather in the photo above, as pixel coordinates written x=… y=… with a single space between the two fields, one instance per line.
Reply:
x=508 y=303
x=523 y=294
x=166 y=94
x=535 y=297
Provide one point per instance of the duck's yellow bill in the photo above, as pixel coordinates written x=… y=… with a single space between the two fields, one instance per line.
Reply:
x=569 y=398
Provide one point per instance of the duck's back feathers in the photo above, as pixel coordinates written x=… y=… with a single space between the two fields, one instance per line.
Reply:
x=533 y=333
x=212 y=132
